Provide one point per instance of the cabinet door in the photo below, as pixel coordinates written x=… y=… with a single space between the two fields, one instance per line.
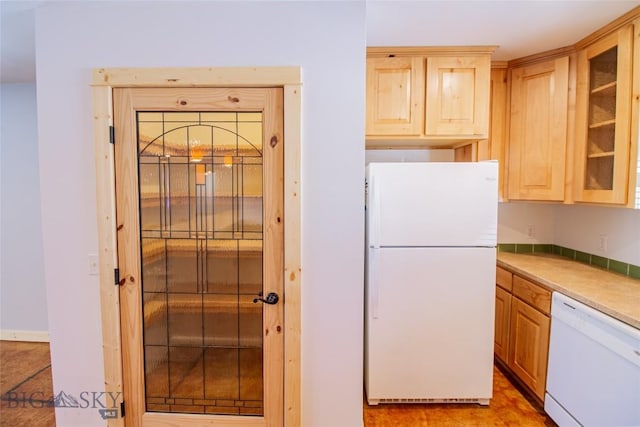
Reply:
x=603 y=113
x=529 y=345
x=395 y=96
x=538 y=131
x=458 y=95
x=503 y=316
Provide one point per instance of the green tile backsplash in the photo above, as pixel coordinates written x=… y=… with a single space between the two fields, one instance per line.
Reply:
x=619 y=267
x=598 y=261
x=583 y=257
x=523 y=248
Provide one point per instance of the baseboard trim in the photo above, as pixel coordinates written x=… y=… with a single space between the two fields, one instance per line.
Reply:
x=31 y=336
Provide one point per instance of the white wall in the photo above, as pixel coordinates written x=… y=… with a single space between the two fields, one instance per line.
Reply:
x=515 y=219
x=573 y=226
x=580 y=227
x=444 y=155
x=23 y=300
x=328 y=40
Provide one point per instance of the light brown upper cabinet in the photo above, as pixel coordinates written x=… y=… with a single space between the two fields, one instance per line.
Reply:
x=494 y=147
x=538 y=130
x=573 y=120
x=458 y=96
x=427 y=97
x=395 y=96
x=604 y=119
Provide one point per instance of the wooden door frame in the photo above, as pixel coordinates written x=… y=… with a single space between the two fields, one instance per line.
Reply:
x=103 y=82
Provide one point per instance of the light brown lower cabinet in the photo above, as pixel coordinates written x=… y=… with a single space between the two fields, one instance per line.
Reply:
x=503 y=320
x=522 y=326
x=529 y=345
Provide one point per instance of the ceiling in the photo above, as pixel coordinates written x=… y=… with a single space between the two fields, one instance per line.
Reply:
x=519 y=28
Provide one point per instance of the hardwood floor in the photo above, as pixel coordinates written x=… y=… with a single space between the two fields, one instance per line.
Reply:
x=509 y=408
x=26 y=387
x=25 y=371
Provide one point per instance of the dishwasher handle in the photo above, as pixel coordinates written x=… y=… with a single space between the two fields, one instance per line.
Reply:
x=611 y=333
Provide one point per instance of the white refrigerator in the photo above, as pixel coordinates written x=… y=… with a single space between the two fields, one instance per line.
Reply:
x=430 y=282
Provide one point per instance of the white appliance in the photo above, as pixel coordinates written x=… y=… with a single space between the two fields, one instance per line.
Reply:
x=430 y=282
x=593 y=378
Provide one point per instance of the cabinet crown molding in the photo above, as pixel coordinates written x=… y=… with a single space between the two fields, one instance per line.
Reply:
x=614 y=25
x=391 y=51
x=611 y=27
x=542 y=56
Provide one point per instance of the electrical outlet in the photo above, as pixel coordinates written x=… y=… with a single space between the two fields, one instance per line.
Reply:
x=531 y=231
x=93 y=265
x=603 y=242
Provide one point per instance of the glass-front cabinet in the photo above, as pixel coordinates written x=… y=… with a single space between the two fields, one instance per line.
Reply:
x=603 y=119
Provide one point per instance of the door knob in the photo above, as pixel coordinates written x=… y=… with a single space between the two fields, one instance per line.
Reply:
x=272 y=298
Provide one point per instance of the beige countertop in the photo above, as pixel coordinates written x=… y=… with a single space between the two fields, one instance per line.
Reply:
x=611 y=293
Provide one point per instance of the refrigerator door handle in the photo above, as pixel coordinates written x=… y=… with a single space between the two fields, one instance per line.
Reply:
x=374 y=231
x=373 y=285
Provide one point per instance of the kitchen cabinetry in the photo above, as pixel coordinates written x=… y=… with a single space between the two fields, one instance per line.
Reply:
x=427 y=96
x=466 y=153
x=529 y=337
x=604 y=119
x=522 y=325
x=574 y=120
x=494 y=147
x=395 y=96
x=457 y=101
x=503 y=313
x=538 y=130
x=491 y=148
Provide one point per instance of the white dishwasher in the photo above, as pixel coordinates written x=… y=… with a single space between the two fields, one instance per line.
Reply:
x=593 y=377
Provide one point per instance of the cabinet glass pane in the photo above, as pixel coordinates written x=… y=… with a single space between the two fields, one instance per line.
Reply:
x=599 y=173
x=201 y=229
x=601 y=130
x=603 y=68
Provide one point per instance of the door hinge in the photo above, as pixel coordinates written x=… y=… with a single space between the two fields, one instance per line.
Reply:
x=122 y=409
x=116 y=274
x=112 y=135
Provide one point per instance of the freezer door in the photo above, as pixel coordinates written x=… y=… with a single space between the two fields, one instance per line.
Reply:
x=432 y=204
x=429 y=323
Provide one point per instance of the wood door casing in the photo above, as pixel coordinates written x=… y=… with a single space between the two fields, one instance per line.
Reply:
x=126 y=103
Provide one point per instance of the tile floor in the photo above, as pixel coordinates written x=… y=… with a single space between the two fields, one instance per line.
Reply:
x=25 y=370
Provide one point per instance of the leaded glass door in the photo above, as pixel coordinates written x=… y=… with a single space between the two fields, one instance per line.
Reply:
x=199 y=187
